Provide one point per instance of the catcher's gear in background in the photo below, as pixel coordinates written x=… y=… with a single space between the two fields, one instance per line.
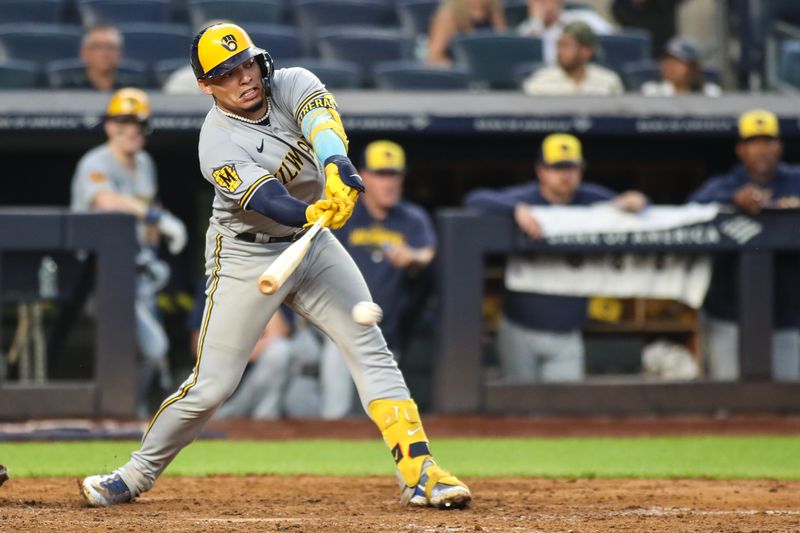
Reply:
x=129 y=103
x=220 y=48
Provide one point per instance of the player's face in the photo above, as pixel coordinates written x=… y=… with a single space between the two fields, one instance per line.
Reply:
x=239 y=91
x=760 y=155
x=571 y=54
x=559 y=183
x=127 y=135
x=384 y=188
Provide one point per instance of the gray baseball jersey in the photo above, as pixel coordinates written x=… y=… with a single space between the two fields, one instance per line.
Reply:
x=99 y=171
x=237 y=157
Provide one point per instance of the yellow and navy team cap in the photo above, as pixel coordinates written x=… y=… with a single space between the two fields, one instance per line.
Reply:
x=561 y=149
x=384 y=156
x=758 y=123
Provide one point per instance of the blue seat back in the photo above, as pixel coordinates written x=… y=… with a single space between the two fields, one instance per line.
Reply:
x=239 y=11
x=411 y=75
x=614 y=50
x=123 y=11
x=155 y=42
x=365 y=47
x=40 y=42
x=20 y=74
x=334 y=74
x=41 y=11
x=491 y=57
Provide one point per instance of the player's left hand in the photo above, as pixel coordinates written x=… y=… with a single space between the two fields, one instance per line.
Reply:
x=341 y=178
x=173 y=230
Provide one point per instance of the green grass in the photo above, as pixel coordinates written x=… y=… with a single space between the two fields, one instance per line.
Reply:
x=662 y=457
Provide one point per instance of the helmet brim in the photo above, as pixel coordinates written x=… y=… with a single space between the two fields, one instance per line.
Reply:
x=232 y=62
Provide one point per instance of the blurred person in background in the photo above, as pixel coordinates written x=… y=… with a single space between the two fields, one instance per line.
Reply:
x=280 y=379
x=120 y=176
x=461 y=16
x=759 y=182
x=659 y=17
x=547 y=18
x=681 y=71
x=539 y=339
x=575 y=73
x=101 y=52
x=392 y=241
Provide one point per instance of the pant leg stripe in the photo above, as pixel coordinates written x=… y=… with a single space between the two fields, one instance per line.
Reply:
x=182 y=393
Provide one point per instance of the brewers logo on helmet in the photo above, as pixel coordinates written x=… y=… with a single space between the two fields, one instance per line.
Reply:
x=220 y=48
x=127 y=104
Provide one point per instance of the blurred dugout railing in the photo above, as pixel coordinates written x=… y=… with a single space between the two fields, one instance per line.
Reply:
x=461 y=383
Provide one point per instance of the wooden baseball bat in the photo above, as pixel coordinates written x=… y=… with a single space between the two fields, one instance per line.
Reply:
x=279 y=271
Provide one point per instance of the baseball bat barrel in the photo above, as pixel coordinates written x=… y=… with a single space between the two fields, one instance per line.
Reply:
x=279 y=271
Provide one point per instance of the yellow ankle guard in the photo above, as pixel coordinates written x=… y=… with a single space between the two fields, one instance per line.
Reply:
x=402 y=430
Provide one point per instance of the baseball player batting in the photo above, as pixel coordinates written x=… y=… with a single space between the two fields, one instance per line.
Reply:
x=274 y=148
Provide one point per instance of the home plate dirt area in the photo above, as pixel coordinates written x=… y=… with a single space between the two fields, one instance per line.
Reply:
x=348 y=504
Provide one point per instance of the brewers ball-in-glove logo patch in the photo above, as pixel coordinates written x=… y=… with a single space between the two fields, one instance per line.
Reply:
x=229 y=42
x=227 y=178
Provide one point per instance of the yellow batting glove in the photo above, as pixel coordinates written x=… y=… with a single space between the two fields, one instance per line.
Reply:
x=344 y=208
x=319 y=208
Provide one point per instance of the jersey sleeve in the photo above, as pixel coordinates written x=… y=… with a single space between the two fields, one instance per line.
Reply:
x=90 y=179
x=304 y=93
x=234 y=175
x=718 y=189
x=422 y=234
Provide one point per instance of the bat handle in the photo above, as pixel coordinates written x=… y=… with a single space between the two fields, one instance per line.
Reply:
x=268 y=285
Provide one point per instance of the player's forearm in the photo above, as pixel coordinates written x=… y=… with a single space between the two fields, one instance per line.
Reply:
x=112 y=201
x=325 y=133
x=273 y=201
x=422 y=257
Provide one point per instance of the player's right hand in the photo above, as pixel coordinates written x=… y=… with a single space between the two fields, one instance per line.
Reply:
x=318 y=209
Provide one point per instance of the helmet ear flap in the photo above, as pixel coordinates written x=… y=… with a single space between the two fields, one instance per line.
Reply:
x=267 y=69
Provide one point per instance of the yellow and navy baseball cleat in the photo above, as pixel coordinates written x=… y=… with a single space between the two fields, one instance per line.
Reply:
x=105 y=490
x=436 y=488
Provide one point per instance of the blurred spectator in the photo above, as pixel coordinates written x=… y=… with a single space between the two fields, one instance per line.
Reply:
x=461 y=16
x=760 y=182
x=659 y=17
x=547 y=18
x=540 y=335
x=119 y=176
x=574 y=74
x=277 y=382
x=681 y=71
x=101 y=51
x=392 y=241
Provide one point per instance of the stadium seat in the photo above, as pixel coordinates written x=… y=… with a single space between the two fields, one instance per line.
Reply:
x=789 y=63
x=164 y=68
x=516 y=12
x=123 y=11
x=41 y=11
x=279 y=40
x=312 y=16
x=415 y=15
x=66 y=73
x=491 y=57
x=334 y=74
x=20 y=74
x=523 y=70
x=155 y=42
x=614 y=50
x=364 y=46
x=238 y=11
x=637 y=73
x=784 y=10
x=40 y=42
x=412 y=75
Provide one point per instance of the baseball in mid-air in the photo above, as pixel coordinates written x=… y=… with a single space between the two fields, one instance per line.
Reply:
x=367 y=313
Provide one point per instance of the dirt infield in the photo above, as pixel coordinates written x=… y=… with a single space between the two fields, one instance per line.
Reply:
x=325 y=504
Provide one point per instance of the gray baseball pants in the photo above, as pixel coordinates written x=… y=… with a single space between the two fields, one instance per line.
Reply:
x=323 y=289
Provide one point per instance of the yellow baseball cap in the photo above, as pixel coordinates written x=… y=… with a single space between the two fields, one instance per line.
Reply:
x=758 y=123
x=129 y=103
x=561 y=149
x=384 y=156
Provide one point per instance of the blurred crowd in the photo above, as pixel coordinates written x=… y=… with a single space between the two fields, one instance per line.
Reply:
x=609 y=46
